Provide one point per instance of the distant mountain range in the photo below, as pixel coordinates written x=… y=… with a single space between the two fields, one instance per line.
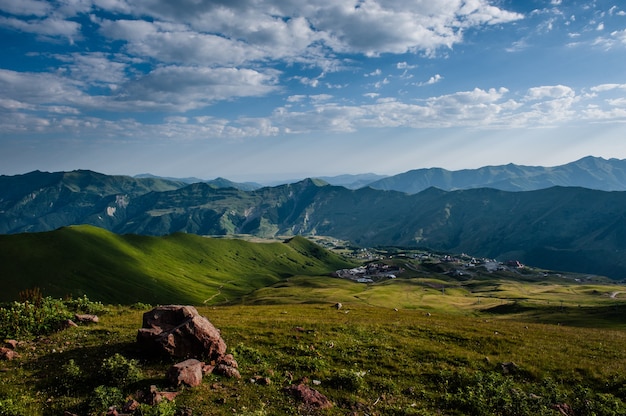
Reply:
x=562 y=228
x=589 y=172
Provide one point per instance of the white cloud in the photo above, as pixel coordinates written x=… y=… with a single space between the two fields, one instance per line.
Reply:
x=432 y=80
x=26 y=7
x=50 y=26
x=549 y=92
x=40 y=88
x=95 y=68
x=608 y=87
x=293 y=29
x=176 y=44
x=178 y=88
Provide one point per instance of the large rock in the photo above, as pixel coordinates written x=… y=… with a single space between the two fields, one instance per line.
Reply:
x=179 y=331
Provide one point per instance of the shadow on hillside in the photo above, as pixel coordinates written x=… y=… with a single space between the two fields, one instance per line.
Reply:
x=605 y=316
x=68 y=371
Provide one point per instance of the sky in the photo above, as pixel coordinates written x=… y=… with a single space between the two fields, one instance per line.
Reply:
x=264 y=90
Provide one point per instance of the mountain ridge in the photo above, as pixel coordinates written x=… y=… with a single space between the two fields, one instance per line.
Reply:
x=561 y=228
x=589 y=172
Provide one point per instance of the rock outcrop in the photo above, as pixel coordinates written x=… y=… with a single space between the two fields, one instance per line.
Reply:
x=179 y=331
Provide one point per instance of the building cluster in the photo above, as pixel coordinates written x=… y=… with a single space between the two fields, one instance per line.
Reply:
x=369 y=273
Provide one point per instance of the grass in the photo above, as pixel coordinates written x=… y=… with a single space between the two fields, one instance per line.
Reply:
x=181 y=268
x=368 y=360
x=430 y=342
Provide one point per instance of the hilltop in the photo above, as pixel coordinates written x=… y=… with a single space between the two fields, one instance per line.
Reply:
x=179 y=268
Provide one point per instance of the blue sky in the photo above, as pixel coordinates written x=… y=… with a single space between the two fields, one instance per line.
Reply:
x=261 y=90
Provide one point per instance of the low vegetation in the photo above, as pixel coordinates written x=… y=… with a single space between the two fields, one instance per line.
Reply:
x=125 y=269
x=365 y=359
x=439 y=339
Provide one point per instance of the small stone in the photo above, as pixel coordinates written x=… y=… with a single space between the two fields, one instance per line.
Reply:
x=87 y=318
x=309 y=396
x=8 y=354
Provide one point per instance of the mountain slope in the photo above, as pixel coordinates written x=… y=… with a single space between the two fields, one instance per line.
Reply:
x=40 y=201
x=180 y=268
x=589 y=172
x=562 y=228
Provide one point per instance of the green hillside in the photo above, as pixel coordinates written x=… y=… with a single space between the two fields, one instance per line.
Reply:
x=124 y=269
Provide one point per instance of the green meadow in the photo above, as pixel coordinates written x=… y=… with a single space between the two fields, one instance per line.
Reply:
x=429 y=342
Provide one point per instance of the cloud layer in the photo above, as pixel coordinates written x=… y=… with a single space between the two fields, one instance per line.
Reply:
x=158 y=68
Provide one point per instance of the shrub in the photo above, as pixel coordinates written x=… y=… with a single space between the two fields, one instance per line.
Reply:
x=71 y=376
x=348 y=380
x=84 y=305
x=36 y=315
x=120 y=371
x=164 y=408
x=10 y=407
x=19 y=319
x=104 y=397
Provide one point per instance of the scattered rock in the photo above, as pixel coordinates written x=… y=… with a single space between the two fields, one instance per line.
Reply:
x=564 y=409
x=309 y=396
x=260 y=380
x=87 y=318
x=509 y=368
x=130 y=406
x=207 y=369
x=228 y=360
x=188 y=372
x=8 y=354
x=155 y=396
x=11 y=343
x=226 y=371
x=179 y=331
x=68 y=323
x=185 y=411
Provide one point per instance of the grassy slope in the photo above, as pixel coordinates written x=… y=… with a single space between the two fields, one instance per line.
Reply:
x=410 y=363
x=180 y=268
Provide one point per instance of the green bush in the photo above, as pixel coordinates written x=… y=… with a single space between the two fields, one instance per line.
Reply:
x=348 y=380
x=71 y=376
x=104 y=397
x=36 y=315
x=10 y=407
x=120 y=371
x=84 y=305
x=20 y=319
x=164 y=408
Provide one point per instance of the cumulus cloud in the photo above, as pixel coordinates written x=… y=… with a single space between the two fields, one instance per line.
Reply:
x=550 y=92
x=180 y=88
x=26 y=7
x=51 y=26
x=432 y=80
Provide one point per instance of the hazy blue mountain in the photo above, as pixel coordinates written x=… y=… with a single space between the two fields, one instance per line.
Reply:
x=352 y=181
x=217 y=182
x=589 y=172
x=562 y=228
